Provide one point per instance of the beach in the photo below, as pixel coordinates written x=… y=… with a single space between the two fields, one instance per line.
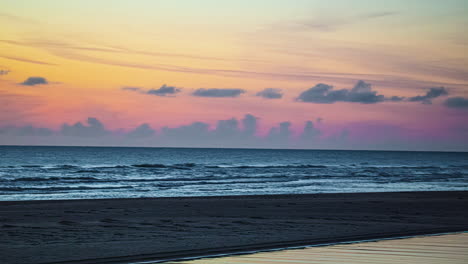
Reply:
x=446 y=248
x=130 y=230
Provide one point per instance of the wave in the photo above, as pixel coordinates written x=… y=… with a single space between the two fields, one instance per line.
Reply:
x=34 y=179
x=88 y=171
x=95 y=169
x=402 y=167
x=77 y=188
x=163 y=166
x=304 y=166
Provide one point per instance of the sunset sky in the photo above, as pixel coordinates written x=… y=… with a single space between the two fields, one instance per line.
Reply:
x=287 y=74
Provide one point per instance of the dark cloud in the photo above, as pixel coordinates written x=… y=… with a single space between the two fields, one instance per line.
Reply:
x=270 y=93
x=457 y=102
x=164 y=91
x=142 y=131
x=94 y=128
x=4 y=72
x=431 y=94
x=26 y=131
x=31 y=81
x=326 y=94
x=215 y=92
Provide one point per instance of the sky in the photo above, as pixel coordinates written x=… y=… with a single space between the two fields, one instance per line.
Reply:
x=256 y=74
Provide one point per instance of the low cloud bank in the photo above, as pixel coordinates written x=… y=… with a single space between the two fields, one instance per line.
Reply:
x=245 y=133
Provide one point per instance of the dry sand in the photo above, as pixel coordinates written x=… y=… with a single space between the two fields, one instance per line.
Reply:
x=445 y=249
x=125 y=230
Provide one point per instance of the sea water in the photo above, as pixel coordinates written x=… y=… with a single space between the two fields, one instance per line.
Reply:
x=38 y=173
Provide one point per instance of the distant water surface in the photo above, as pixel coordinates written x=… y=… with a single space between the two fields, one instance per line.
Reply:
x=37 y=173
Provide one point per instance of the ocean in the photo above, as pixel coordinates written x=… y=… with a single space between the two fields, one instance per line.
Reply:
x=43 y=173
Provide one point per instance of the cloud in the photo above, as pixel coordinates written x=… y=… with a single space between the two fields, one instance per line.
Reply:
x=280 y=134
x=114 y=49
x=270 y=93
x=310 y=133
x=27 y=60
x=381 y=79
x=142 y=131
x=457 y=102
x=94 y=128
x=4 y=72
x=31 y=81
x=132 y=88
x=17 y=19
x=241 y=133
x=326 y=94
x=431 y=94
x=186 y=134
x=164 y=91
x=332 y=24
x=226 y=129
x=26 y=131
x=227 y=133
x=215 y=92
x=396 y=99
x=249 y=122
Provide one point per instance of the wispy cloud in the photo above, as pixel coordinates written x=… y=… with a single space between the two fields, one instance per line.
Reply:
x=335 y=23
x=27 y=60
x=114 y=49
x=4 y=72
x=17 y=19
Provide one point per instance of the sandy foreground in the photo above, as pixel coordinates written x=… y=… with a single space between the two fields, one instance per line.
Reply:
x=130 y=230
x=446 y=249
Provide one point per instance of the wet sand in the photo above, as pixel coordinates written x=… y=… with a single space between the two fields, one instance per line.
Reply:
x=451 y=248
x=130 y=230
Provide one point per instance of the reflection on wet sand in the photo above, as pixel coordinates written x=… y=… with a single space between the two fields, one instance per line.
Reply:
x=452 y=248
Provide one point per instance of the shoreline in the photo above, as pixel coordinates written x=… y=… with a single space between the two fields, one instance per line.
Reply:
x=380 y=250
x=252 y=249
x=133 y=230
x=231 y=197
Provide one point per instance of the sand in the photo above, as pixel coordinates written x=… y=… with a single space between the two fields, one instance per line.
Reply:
x=126 y=230
x=452 y=248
